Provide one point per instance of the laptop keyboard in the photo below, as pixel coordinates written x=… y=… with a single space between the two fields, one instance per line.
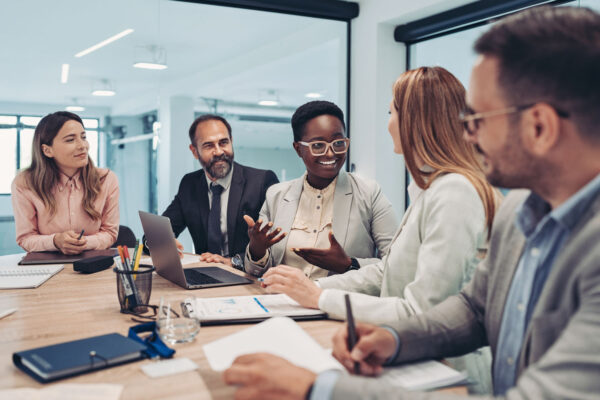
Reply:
x=193 y=277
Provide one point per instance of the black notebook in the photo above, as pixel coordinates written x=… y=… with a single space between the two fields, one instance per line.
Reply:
x=61 y=360
x=55 y=257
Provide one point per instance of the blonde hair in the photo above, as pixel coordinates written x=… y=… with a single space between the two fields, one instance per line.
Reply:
x=43 y=173
x=428 y=101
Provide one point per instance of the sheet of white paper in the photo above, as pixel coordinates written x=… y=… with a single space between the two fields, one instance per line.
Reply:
x=11 y=260
x=156 y=369
x=66 y=391
x=280 y=336
x=219 y=308
x=424 y=375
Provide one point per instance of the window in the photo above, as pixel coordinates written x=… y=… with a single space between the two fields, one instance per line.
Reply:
x=16 y=138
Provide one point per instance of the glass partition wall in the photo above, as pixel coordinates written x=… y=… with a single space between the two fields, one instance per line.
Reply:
x=140 y=71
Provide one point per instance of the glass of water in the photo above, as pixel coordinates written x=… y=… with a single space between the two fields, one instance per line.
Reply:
x=175 y=324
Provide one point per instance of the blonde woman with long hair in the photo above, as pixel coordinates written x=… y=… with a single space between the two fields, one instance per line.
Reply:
x=439 y=243
x=63 y=194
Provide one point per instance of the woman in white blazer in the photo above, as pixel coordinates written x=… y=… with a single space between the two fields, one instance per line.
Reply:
x=327 y=221
x=443 y=232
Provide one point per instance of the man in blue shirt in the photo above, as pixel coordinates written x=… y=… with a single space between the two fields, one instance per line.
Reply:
x=534 y=116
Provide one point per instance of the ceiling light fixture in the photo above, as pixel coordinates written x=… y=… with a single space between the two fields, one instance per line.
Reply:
x=313 y=95
x=150 y=57
x=64 y=73
x=75 y=106
x=103 y=88
x=104 y=43
x=269 y=99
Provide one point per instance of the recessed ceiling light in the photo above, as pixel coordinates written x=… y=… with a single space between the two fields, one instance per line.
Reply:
x=103 y=92
x=269 y=103
x=313 y=95
x=64 y=73
x=104 y=43
x=75 y=108
x=146 y=65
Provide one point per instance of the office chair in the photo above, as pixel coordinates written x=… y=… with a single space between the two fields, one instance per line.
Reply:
x=125 y=237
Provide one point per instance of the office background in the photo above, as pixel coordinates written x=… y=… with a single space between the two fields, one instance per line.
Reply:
x=253 y=67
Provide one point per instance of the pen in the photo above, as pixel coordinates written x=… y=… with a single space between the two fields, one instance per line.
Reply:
x=81 y=234
x=352 y=339
x=6 y=313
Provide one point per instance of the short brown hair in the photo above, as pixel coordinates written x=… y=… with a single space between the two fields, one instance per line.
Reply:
x=207 y=117
x=552 y=55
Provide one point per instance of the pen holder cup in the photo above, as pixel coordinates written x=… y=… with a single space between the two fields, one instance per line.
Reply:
x=134 y=288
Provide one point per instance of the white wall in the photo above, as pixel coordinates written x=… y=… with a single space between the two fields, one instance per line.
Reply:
x=376 y=62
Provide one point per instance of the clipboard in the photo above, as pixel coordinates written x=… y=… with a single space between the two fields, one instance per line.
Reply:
x=55 y=257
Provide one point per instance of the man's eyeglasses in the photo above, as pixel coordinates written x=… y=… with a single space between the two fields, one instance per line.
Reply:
x=147 y=312
x=471 y=119
x=320 y=147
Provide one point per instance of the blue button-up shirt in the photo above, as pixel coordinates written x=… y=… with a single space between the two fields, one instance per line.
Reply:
x=545 y=231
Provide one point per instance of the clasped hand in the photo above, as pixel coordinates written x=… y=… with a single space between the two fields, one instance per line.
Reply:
x=69 y=243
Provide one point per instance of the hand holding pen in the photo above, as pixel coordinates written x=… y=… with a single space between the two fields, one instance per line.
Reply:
x=373 y=347
x=70 y=242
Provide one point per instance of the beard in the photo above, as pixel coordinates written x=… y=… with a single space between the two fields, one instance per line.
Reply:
x=218 y=171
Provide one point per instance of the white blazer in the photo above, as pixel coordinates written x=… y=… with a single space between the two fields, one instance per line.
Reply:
x=432 y=256
x=363 y=219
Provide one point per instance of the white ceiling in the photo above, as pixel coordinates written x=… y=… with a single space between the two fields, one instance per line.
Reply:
x=216 y=52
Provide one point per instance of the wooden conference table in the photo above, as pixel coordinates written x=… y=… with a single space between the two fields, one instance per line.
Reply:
x=72 y=306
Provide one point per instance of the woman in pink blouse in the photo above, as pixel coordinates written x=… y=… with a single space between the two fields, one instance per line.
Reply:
x=63 y=193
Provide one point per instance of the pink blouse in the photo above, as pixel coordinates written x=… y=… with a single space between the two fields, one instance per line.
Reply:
x=36 y=227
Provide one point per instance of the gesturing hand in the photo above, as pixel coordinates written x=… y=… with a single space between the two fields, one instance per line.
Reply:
x=333 y=259
x=264 y=376
x=68 y=242
x=375 y=345
x=291 y=281
x=260 y=238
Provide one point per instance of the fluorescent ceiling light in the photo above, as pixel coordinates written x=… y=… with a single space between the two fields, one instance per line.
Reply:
x=104 y=43
x=75 y=108
x=313 y=95
x=268 y=103
x=146 y=65
x=103 y=92
x=64 y=73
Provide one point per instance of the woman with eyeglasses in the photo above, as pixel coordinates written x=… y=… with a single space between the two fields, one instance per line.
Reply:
x=328 y=221
x=444 y=232
x=62 y=201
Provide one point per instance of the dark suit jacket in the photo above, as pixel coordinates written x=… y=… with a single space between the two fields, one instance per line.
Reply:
x=189 y=209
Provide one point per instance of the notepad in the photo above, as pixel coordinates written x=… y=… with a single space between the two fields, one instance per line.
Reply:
x=26 y=277
x=223 y=310
x=280 y=336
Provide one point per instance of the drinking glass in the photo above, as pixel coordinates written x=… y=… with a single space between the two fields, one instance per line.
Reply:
x=174 y=324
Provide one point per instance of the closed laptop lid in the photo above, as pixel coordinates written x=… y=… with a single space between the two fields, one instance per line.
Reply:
x=55 y=257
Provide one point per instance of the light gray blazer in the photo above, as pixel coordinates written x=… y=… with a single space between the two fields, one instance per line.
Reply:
x=432 y=257
x=560 y=358
x=363 y=219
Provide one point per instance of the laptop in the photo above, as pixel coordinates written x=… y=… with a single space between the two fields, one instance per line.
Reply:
x=165 y=258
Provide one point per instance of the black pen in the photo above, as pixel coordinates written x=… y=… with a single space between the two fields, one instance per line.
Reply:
x=81 y=234
x=352 y=339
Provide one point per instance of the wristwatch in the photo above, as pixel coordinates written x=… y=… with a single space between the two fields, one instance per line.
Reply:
x=237 y=262
x=353 y=264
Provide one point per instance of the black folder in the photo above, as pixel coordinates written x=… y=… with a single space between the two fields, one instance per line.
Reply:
x=55 y=257
x=62 y=360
